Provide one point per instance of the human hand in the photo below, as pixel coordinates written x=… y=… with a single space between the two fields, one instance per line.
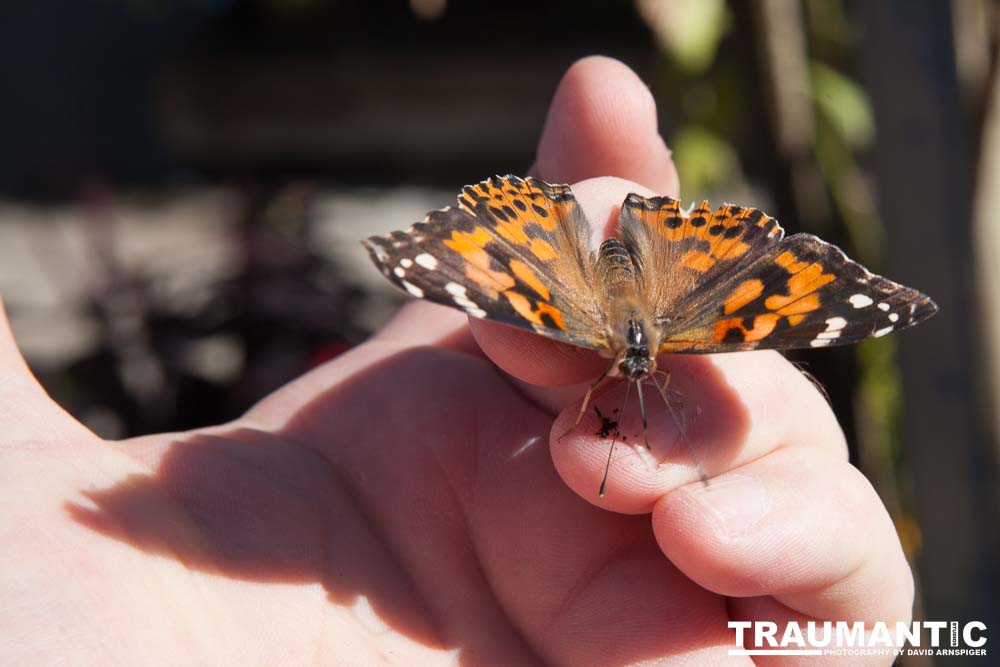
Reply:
x=399 y=506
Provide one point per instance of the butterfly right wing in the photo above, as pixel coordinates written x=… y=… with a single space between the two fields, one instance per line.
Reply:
x=802 y=293
x=514 y=250
x=680 y=254
x=728 y=280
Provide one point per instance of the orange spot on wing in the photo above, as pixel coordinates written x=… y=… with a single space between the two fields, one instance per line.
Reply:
x=674 y=234
x=737 y=249
x=554 y=314
x=806 y=304
x=698 y=260
x=788 y=261
x=477 y=261
x=762 y=327
x=542 y=249
x=468 y=242
x=744 y=293
x=522 y=305
x=491 y=282
x=513 y=232
x=722 y=328
x=524 y=273
x=802 y=284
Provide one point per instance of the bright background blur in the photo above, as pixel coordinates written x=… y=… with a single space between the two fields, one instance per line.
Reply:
x=183 y=185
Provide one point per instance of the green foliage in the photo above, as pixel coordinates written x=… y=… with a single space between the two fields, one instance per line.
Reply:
x=843 y=104
x=704 y=159
x=689 y=31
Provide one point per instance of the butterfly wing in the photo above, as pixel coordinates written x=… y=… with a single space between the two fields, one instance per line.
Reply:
x=728 y=281
x=803 y=293
x=680 y=254
x=514 y=250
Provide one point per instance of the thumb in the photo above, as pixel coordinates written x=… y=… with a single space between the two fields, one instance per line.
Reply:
x=603 y=122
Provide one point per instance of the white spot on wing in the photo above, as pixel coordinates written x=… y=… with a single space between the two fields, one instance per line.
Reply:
x=406 y=262
x=426 y=260
x=835 y=324
x=893 y=317
x=884 y=307
x=463 y=301
x=882 y=332
x=399 y=272
x=832 y=332
x=861 y=300
x=413 y=289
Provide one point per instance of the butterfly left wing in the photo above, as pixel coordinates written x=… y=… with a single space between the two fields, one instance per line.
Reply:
x=514 y=250
x=802 y=292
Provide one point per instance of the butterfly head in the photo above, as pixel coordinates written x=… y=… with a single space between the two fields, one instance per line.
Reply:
x=636 y=362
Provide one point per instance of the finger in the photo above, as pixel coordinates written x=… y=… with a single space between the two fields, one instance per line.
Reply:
x=602 y=121
x=726 y=410
x=799 y=525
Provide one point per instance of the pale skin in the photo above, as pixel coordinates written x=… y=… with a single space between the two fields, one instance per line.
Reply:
x=410 y=503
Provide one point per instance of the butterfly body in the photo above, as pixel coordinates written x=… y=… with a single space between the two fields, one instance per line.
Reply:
x=628 y=334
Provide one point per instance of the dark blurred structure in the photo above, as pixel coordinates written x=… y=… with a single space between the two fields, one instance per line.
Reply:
x=185 y=184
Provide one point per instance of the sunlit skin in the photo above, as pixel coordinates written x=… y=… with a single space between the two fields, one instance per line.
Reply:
x=409 y=503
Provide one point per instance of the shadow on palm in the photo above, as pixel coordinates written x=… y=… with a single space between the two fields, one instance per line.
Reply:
x=422 y=488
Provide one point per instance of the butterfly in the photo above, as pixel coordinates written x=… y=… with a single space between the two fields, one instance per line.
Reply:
x=518 y=251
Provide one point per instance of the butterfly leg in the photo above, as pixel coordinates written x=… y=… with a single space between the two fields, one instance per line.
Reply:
x=666 y=380
x=662 y=389
x=586 y=398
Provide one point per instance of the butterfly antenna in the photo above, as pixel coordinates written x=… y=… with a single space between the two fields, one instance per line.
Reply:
x=607 y=466
x=680 y=427
x=642 y=412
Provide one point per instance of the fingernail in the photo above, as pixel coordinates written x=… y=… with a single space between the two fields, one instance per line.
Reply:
x=736 y=502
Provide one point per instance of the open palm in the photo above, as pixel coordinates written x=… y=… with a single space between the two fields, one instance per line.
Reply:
x=400 y=505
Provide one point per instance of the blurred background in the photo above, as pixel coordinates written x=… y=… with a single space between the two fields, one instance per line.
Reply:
x=183 y=185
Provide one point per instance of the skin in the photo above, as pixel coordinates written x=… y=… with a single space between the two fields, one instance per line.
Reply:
x=399 y=505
